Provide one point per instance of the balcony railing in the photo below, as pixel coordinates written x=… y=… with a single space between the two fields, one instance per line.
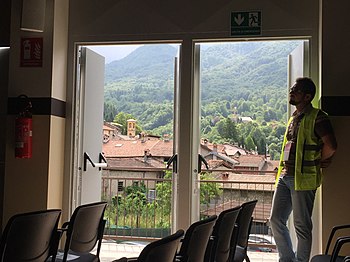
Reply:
x=139 y=201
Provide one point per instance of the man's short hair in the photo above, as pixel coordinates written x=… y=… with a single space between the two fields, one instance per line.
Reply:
x=307 y=86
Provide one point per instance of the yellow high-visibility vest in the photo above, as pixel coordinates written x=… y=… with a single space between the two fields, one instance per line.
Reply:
x=307 y=174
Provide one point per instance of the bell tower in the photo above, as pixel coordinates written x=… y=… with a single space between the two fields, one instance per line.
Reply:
x=131 y=123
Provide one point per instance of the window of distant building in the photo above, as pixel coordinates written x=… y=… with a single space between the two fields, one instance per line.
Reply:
x=120 y=186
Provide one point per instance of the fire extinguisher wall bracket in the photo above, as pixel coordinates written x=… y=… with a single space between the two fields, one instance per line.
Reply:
x=23 y=128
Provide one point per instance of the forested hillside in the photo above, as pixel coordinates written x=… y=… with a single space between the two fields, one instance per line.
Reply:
x=246 y=79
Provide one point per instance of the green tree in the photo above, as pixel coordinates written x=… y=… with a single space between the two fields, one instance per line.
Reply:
x=280 y=130
x=109 y=111
x=230 y=133
x=129 y=207
x=249 y=142
x=227 y=130
x=209 y=190
x=270 y=115
x=223 y=110
x=135 y=201
x=261 y=146
x=274 y=151
x=258 y=138
x=164 y=193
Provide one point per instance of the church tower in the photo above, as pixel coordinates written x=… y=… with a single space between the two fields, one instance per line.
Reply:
x=131 y=123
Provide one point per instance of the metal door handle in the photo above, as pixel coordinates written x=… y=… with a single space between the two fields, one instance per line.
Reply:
x=102 y=162
x=200 y=160
x=173 y=160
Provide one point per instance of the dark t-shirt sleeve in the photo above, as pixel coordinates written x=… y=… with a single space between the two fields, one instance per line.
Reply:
x=323 y=125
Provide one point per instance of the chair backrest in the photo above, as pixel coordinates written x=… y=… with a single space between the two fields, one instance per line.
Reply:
x=218 y=248
x=85 y=229
x=30 y=236
x=244 y=222
x=240 y=235
x=162 y=250
x=196 y=240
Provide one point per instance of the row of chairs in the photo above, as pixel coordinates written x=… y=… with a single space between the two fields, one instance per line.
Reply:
x=337 y=239
x=35 y=236
x=222 y=238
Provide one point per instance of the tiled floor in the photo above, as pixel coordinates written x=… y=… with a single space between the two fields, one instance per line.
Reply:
x=112 y=251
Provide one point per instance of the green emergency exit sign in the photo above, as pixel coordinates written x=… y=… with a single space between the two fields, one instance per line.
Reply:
x=246 y=23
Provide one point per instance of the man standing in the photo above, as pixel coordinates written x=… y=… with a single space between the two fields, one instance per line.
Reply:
x=309 y=144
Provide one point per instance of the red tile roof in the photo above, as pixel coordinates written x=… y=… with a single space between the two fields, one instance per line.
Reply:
x=232 y=150
x=251 y=160
x=213 y=164
x=135 y=162
x=137 y=148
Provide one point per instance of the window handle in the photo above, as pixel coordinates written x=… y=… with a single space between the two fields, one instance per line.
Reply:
x=102 y=161
x=201 y=160
x=173 y=160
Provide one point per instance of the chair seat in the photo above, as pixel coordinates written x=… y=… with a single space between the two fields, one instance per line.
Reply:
x=72 y=256
x=75 y=257
x=123 y=259
x=325 y=258
x=162 y=250
x=84 y=232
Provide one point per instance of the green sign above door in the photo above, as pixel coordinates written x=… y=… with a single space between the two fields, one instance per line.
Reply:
x=246 y=23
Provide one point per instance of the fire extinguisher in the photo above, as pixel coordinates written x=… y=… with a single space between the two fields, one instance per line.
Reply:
x=23 y=128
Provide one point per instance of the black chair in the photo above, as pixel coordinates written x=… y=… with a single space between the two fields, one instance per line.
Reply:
x=83 y=232
x=161 y=250
x=338 y=244
x=30 y=236
x=196 y=240
x=218 y=248
x=239 y=239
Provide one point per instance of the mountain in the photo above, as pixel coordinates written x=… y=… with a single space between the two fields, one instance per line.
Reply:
x=148 y=61
x=245 y=75
x=242 y=64
x=146 y=74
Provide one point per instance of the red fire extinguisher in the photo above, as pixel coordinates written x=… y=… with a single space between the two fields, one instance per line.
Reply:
x=23 y=128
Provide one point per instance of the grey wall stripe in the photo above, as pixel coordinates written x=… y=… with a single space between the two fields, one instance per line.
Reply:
x=333 y=105
x=40 y=106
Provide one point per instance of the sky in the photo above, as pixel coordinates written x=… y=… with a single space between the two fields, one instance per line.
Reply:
x=114 y=52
